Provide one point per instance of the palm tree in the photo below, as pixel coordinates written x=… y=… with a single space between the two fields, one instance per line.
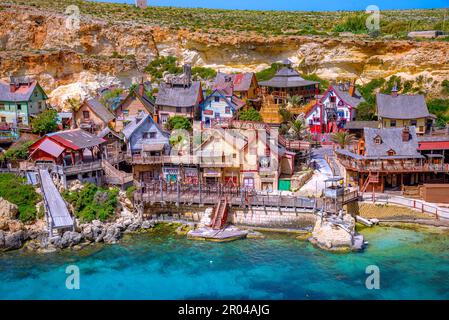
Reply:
x=298 y=127
x=343 y=138
x=294 y=101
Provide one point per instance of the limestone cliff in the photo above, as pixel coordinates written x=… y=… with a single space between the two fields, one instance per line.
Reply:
x=69 y=61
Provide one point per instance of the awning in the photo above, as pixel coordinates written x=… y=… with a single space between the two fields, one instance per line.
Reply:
x=433 y=145
x=153 y=147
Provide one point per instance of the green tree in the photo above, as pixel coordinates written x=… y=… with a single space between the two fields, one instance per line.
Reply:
x=45 y=122
x=343 y=139
x=250 y=114
x=366 y=111
x=178 y=123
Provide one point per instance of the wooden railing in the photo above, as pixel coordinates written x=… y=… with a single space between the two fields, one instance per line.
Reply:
x=383 y=167
x=289 y=144
x=160 y=191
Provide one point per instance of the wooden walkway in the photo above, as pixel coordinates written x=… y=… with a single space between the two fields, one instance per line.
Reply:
x=161 y=192
x=57 y=214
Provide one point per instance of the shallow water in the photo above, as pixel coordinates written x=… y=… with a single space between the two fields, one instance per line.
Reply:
x=413 y=265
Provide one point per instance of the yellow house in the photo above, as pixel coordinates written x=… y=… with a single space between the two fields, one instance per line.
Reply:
x=247 y=158
x=396 y=111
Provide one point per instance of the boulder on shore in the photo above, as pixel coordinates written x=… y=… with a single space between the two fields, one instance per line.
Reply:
x=8 y=210
x=334 y=235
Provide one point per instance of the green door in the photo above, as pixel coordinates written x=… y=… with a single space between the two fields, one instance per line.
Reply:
x=284 y=185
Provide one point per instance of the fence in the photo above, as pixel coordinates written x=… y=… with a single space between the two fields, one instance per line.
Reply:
x=423 y=206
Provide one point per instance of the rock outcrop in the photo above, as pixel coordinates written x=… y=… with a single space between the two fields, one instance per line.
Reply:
x=336 y=234
x=71 y=62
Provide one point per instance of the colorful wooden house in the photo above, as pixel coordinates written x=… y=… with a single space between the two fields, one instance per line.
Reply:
x=220 y=104
x=179 y=95
x=135 y=103
x=336 y=107
x=67 y=148
x=390 y=158
x=146 y=142
x=401 y=110
x=286 y=83
x=20 y=99
x=244 y=85
x=92 y=116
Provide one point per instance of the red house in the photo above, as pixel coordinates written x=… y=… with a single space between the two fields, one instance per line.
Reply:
x=68 y=147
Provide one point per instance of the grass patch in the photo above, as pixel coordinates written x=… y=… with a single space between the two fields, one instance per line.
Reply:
x=15 y=190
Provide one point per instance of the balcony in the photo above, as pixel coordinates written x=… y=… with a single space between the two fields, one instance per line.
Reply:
x=396 y=167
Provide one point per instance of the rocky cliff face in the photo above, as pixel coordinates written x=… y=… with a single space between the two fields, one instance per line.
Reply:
x=68 y=61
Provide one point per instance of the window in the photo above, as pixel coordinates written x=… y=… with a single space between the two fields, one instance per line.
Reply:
x=152 y=135
x=2 y=107
x=217 y=99
x=227 y=110
x=391 y=152
x=217 y=114
x=3 y=119
x=19 y=107
x=392 y=123
x=178 y=109
x=86 y=115
x=126 y=112
x=413 y=122
x=145 y=135
x=377 y=140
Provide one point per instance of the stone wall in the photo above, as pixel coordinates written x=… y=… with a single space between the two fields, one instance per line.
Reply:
x=272 y=217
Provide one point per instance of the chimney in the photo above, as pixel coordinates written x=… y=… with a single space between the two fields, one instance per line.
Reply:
x=351 y=89
x=405 y=134
x=394 y=90
x=188 y=72
x=141 y=88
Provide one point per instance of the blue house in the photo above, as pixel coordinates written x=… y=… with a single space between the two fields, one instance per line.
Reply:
x=146 y=142
x=220 y=104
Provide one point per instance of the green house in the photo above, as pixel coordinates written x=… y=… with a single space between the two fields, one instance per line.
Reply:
x=20 y=100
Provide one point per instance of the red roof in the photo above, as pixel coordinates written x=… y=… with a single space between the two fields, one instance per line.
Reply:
x=433 y=145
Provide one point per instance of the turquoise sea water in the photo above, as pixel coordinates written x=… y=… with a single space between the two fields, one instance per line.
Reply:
x=413 y=265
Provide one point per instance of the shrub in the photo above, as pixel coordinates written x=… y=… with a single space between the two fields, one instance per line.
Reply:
x=15 y=190
x=92 y=202
x=268 y=73
x=353 y=23
x=158 y=66
x=250 y=114
x=45 y=122
x=18 y=152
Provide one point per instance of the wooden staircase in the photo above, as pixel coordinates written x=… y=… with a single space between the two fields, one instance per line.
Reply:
x=220 y=215
x=373 y=178
x=114 y=176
